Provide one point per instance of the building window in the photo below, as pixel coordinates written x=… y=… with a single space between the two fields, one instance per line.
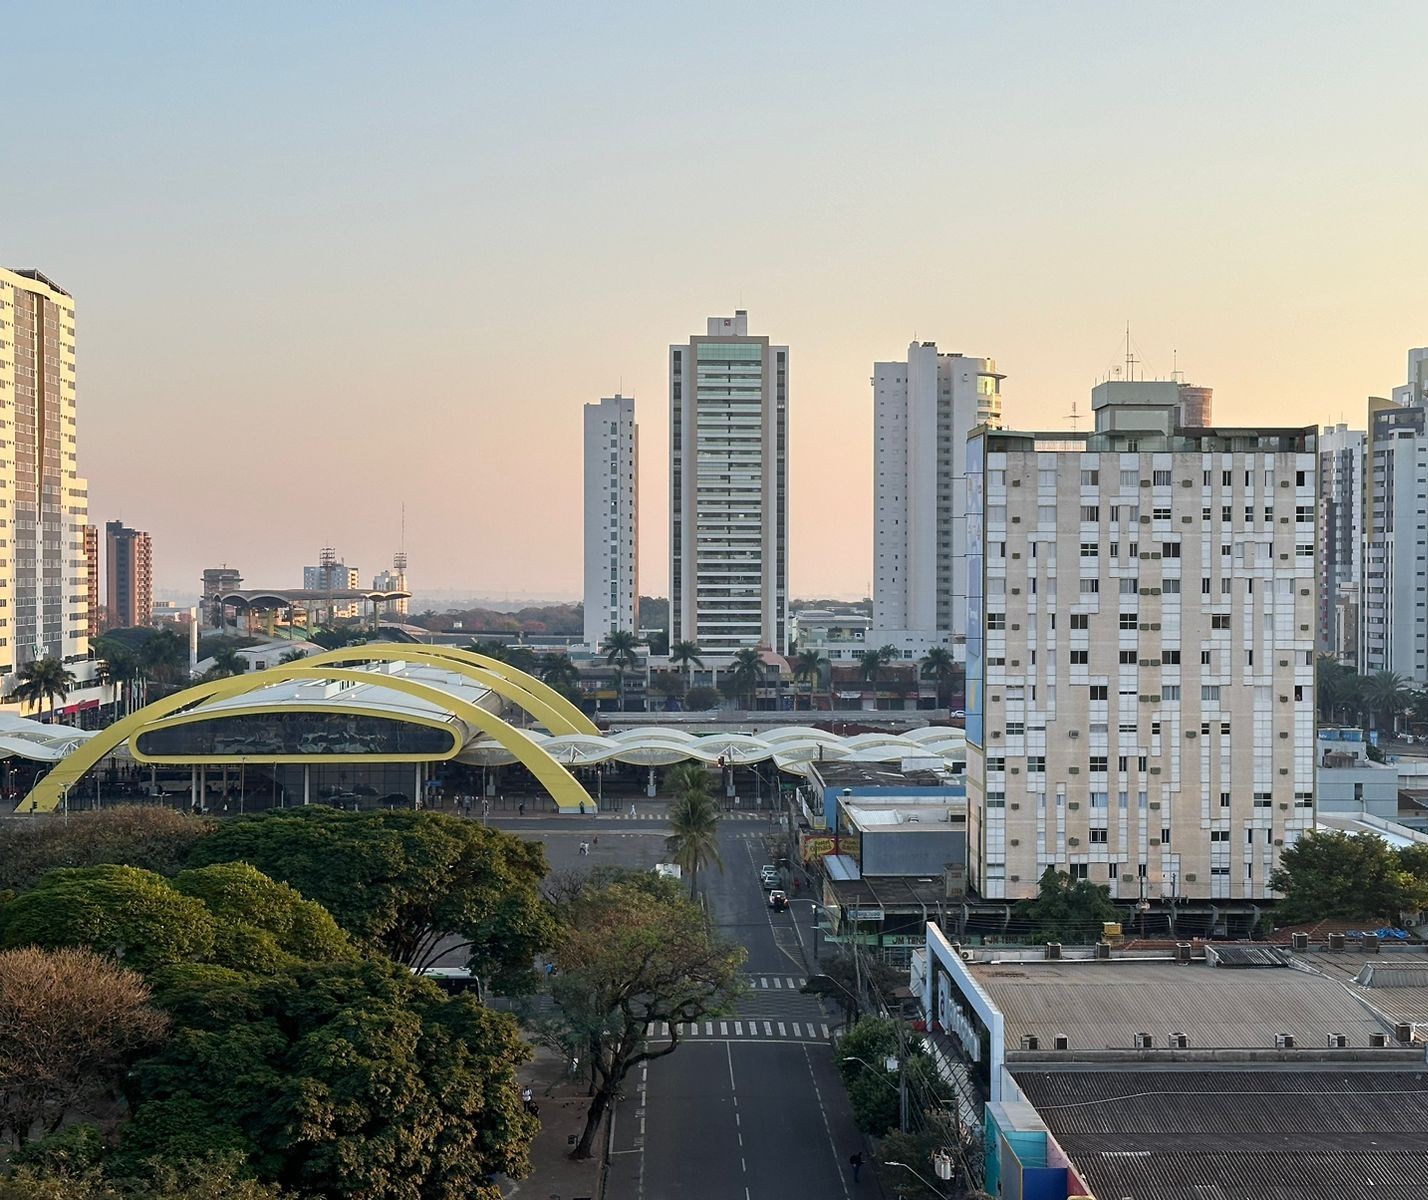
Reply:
x=1090 y=587
x=1090 y=478
x=1089 y=550
x=1170 y=691
x=1098 y=692
x=1036 y=764
x=1170 y=658
x=1129 y=620
x=1098 y=837
x=1099 y=764
x=1080 y=658
x=1090 y=514
x=1080 y=621
x=1160 y=478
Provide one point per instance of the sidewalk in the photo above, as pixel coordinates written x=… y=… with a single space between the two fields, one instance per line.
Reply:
x=562 y=1117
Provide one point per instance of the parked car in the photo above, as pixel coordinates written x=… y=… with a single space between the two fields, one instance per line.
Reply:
x=769 y=876
x=778 y=901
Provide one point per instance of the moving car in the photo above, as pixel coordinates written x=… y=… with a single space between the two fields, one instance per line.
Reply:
x=769 y=876
x=778 y=901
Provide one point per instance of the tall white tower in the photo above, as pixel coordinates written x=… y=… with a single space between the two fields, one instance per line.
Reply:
x=923 y=410
x=612 y=544
x=44 y=579
x=728 y=459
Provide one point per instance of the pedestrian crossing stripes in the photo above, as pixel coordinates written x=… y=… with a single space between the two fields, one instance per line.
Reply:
x=776 y=982
x=746 y=1029
x=659 y=814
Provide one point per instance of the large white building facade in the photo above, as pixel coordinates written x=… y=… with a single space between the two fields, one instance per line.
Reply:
x=612 y=554
x=728 y=458
x=923 y=410
x=44 y=576
x=1140 y=652
x=1341 y=538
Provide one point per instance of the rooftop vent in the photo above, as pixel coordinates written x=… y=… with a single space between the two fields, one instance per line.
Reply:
x=1060 y=1042
x=1336 y=941
x=1029 y=1041
x=1299 y=941
x=1182 y=952
x=1053 y=949
x=1284 y=1041
x=1177 y=1041
x=1403 y=1031
x=1378 y=1040
x=1370 y=943
x=1338 y=1041
x=1143 y=1041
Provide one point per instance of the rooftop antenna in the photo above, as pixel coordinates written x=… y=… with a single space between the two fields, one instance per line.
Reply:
x=1175 y=366
x=1131 y=359
x=1074 y=417
x=399 y=559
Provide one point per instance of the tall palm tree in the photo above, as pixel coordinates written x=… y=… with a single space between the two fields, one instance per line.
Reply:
x=620 y=649
x=746 y=673
x=1386 y=695
x=496 y=650
x=686 y=656
x=694 y=819
x=45 y=681
x=1331 y=683
x=558 y=671
x=939 y=665
x=119 y=665
x=808 y=668
x=164 y=657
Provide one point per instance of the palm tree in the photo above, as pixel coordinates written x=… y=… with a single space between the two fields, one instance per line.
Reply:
x=227 y=661
x=1330 y=684
x=620 y=650
x=871 y=664
x=119 y=665
x=496 y=650
x=694 y=819
x=686 y=655
x=1386 y=695
x=164 y=657
x=558 y=671
x=746 y=673
x=939 y=665
x=808 y=668
x=45 y=681
x=293 y=656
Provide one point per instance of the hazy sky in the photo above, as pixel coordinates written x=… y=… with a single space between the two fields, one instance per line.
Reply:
x=330 y=258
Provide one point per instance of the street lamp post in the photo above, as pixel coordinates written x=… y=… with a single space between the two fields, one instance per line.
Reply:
x=920 y=1176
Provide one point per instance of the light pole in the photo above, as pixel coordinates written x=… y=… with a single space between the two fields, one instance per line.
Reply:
x=923 y=1178
x=900 y=1087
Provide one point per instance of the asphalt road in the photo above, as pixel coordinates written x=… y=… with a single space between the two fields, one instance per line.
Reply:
x=749 y=1107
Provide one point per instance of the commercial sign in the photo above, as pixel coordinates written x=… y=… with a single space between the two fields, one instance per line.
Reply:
x=864 y=914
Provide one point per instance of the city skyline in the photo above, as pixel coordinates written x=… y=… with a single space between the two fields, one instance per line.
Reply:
x=1249 y=214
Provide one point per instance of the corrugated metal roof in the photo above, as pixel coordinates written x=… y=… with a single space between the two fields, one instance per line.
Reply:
x=1102 y=1005
x=1240 y=1135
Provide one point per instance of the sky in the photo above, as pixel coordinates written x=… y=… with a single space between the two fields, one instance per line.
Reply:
x=333 y=259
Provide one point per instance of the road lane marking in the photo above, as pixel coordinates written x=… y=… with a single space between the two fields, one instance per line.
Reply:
x=724 y=1028
x=781 y=1030
x=709 y=1028
x=739 y=1031
x=828 y=1129
x=778 y=983
x=768 y=1029
x=797 y=1032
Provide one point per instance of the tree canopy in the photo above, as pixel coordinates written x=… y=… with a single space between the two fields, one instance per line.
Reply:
x=228 y=914
x=152 y=838
x=400 y=882
x=345 y=1079
x=632 y=952
x=1065 y=909
x=1330 y=874
x=70 y=1021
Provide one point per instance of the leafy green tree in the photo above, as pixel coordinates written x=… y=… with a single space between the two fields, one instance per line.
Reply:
x=260 y=924
x=1330 y=874
x=873 y=1088
x=694 y=821
x=621 y=651
x=402 y=882
x=701 y=699
x=631 y=956
x=153 y=839
x=70 y=1022
x=347 y=1079
x=292 y=656
x=659 y=642
x=1065 y=909
x=45 y=681
x=134 y=915
x=339 y=637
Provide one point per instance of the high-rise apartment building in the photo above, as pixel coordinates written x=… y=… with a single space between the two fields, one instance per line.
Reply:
x=1140 y=652
x=129 y=575
x=44 y=590
x=1341 y=540
x=923 y=410
x=612 y=551
x=728 y=458
x=91 y=575
x=1393 y=624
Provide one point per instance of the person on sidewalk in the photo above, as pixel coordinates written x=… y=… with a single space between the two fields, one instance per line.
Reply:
x=856 y=1162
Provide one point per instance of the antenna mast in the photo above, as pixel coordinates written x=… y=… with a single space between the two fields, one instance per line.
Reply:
x=1131 y=359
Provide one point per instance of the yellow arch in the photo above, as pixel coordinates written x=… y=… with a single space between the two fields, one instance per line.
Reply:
x=563 y=787
x=534 y=695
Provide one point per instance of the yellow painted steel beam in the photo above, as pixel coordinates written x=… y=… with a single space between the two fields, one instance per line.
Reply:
x=538 y=698
x=563 y=787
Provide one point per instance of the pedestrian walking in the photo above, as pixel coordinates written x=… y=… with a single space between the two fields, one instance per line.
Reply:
x=632 y=809
x=584 y=847
x=856 y=1162
x=582 y=808
x=521 y=809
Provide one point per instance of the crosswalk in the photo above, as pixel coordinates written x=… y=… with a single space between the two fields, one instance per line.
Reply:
x=765 y=982
x=660 y=813
x=745 y=1029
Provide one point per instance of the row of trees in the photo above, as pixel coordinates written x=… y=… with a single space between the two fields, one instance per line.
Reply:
x=1382 y=701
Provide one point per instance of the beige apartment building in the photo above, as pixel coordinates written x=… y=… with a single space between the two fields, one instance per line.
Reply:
x=1141 y=638
x=44 y=504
